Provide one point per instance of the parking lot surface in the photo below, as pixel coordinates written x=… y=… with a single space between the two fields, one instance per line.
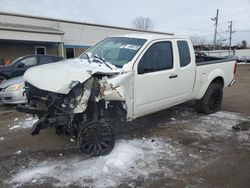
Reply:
x=173 y=148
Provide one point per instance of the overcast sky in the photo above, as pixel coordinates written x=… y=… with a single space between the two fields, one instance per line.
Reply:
x=182 y=17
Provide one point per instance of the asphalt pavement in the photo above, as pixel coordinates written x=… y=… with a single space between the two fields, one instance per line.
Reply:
x=177 y=147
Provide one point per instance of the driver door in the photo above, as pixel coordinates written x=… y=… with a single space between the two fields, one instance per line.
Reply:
x=156 y=84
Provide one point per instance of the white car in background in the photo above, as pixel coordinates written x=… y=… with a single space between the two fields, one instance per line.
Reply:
x=12 y=91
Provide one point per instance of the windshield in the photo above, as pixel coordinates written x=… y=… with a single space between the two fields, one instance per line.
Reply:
x=115 y=50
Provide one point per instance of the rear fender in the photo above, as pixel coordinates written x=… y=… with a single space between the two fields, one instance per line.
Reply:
x=206 y=79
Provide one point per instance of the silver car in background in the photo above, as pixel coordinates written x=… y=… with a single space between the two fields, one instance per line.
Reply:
x=12 y=91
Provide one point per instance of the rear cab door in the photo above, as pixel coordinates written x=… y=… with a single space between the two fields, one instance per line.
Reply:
x=160 y=81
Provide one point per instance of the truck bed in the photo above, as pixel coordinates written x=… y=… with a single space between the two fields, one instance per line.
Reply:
x=203 y=60
x=209 y=68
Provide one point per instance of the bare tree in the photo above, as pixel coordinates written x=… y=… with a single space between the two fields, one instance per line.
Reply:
x=198 y=40
x=142 y=23
x=243 y=44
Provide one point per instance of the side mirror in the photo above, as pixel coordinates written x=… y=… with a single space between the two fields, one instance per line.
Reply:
x=20 y=65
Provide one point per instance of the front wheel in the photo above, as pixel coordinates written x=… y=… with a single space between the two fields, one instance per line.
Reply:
x=96 y=138
x=211 y=101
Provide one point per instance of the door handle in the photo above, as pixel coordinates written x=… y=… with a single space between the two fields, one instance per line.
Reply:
x=173 y=76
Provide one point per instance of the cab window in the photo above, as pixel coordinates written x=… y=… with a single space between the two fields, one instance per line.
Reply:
x=158 y=57
x=184 y=53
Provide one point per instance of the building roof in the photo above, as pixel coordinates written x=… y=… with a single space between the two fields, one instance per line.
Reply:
x=29 y=28
x=84 y=23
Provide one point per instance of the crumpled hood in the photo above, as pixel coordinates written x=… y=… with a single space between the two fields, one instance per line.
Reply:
x=60 y=77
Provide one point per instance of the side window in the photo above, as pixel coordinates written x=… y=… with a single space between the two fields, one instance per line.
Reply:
x=30 y=61
x=184 y=53
x=158 y=57
x=45 y=59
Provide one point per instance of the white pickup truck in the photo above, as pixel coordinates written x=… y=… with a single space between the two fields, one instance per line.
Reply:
x=120 y=79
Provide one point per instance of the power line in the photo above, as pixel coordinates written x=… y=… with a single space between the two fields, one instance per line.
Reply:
x=220 y=28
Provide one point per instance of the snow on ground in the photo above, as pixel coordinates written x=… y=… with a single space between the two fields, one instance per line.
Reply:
x=130 y=160
x=14 y=127
x=217 y=124
x=23 y=124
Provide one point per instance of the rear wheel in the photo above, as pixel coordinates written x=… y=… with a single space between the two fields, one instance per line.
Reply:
x=211 y=101
x=96 y=138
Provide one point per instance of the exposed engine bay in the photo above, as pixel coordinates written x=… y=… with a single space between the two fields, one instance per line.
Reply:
x=87 y=112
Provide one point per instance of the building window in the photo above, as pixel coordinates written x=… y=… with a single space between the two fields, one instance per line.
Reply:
x=40 y=50
x=70 y=53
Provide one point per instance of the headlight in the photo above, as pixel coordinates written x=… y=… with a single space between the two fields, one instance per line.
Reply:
x=15 y=87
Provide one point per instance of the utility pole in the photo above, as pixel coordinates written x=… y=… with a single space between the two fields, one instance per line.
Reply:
x=230 y=35
x=216 y=24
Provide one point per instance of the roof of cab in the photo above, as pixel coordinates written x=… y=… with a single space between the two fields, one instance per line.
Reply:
x=151 y=36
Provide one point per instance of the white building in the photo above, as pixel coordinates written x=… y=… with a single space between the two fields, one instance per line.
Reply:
x=22 y=35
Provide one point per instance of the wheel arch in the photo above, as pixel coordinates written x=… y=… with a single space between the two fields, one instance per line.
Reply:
x=216 y=76
x=219 y=80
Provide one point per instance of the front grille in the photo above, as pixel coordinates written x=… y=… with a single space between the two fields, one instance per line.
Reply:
x=34 y=91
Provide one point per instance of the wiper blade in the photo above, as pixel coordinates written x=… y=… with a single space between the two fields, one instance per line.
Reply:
x=87 y=55
x=103 y=61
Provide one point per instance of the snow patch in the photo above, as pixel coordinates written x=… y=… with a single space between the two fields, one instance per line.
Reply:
x=24 y=124
x=217 y=124
x=18 y=152
x=14 y=127
x=29 y=119
x=130 y=159
x=172 y=119
x=244 y=137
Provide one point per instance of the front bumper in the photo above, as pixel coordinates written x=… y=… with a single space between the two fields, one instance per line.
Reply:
x=29 y=109
x=14 y=97
x=44 y=121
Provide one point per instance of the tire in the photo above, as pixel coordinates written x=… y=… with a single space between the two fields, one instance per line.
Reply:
x=96 y=138
x=2 y=78
x=211 y=101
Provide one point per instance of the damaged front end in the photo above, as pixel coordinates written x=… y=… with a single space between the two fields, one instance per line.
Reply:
x=87 y=113
x=85 y=97
x=54 y=108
